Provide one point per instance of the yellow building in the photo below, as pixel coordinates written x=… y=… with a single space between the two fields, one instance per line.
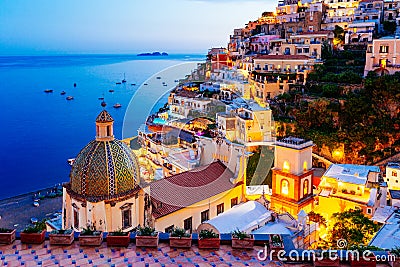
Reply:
x=247 y=124
x=292 y=176
x=348 y=186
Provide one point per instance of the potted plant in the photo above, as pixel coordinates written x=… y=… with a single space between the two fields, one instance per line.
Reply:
x=394 y=262
x=209 y=239
x=61 y=237
x=275 y=244
x=34 y=234
x=242 y=240
x=326 y=258
x=179 y=238
x=118 y=238
x=7 y=236
x=90 y=236
x=366 y=258
x=146 y=237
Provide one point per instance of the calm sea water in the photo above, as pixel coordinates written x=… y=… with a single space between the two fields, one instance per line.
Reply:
x=40 y=131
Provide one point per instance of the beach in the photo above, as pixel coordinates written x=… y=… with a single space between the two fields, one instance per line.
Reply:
x=17 y=211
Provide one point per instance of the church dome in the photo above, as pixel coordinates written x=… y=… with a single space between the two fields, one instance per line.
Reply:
x=106 y=167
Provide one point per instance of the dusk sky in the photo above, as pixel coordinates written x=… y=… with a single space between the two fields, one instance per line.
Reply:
x=122 y=26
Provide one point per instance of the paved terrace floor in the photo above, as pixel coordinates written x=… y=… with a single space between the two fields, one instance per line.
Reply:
x=18 y=254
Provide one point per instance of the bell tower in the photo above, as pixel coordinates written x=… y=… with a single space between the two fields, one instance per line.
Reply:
x=104 y=127
x=292 y=176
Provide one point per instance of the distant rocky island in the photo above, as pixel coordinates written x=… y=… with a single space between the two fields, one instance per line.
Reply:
x=154 y=54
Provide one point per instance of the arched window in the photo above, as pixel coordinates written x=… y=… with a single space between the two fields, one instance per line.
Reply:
x=286 y=166
x=305 y=187
x=285 y=187
x=305 y=166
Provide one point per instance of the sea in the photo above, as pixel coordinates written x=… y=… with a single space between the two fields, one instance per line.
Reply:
x=39 y=131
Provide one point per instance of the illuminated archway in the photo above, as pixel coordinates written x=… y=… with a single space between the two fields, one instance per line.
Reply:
x=285 y=187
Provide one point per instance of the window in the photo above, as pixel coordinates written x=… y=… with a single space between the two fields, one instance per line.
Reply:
x=369 y=210
x=285 y=187
x=234 y=201
x=286 y=166
x=187 y=224
x=220 y=208
x=169 y=229
x=394 y=174
x=384 y=49
x=76 y=219
x=305 y=166
x=305 y=188
x=108 y=130
x=205 y=215
x=126 y=218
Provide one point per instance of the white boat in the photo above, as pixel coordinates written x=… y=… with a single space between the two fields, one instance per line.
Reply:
x=71 y=161
x=70 y=98
x=117 y=105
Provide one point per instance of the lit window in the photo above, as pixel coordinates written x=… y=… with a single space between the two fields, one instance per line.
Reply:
x=305 y=167
x=394 y=174
x=285 y=187
x=286 y=166
x=305 y=187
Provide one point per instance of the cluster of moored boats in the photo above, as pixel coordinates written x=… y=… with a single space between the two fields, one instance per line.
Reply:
x=62 y=93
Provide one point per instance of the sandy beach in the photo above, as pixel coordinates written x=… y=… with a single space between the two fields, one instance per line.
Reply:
x=17 y=211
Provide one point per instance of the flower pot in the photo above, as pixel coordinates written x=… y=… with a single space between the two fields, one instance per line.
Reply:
x=367 y=261
x=146 y=241
x=33 y=238
x=91 y=240
x=209 y=243
x=180 y=242
x=7 y=238
x=118 y=240
x=246 y=243
x=61 y=239
x=333 y=261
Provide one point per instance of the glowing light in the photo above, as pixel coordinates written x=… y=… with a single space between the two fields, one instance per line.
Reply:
x=286 y=166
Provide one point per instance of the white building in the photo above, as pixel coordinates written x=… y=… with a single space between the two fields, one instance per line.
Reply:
x=393 y=175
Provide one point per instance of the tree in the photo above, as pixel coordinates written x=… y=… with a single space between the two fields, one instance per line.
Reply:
x=317 y=218
x=352 y=226
x=389 y=26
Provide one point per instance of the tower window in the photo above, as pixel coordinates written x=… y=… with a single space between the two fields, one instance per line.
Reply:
x=305 y=187
x=108 y=130
x=126 y=218
x=394 y=174
x=285 y=187
x=286 y=166
x=305 y=167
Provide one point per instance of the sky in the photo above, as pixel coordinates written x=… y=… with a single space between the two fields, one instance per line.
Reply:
x=122 y=26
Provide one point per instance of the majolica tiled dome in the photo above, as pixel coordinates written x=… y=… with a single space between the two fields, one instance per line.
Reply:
x=104 y=168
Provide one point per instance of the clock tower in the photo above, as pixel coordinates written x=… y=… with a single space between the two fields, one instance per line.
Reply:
x=292 y=176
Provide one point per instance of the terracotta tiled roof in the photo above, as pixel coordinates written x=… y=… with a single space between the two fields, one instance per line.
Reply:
x=187 y=188
x=283 y=57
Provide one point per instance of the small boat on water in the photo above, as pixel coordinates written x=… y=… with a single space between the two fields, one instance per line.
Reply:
x=145 y=84
x=71 y=161
x=63 y=93
x=158 y=78
x=124 y=80
x=101 y=98
x=177 y=81
x=133 y=84
x=111 y=90
x=74 y=84
x=103 y=104
x=165 y=84
x=117 y=83
x=117 y=105
x=70 y=98
x=48 y=91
